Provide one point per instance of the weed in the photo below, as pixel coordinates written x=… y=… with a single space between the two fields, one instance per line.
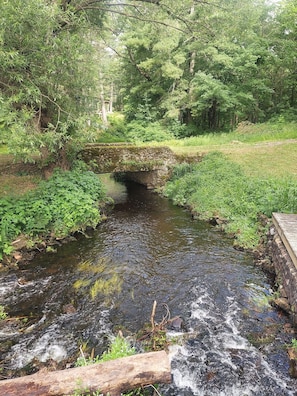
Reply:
x=51 y=249
x=294 y=344
x=86 y=361
x=3 y=314
x=83 y=391
x=119 y=347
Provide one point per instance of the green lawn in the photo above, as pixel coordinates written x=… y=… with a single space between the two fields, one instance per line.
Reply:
x=259 y=150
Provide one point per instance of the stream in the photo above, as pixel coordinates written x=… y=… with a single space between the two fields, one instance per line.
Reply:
x=233 y=342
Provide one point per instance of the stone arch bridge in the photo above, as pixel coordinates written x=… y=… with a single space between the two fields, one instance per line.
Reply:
x=150 y=166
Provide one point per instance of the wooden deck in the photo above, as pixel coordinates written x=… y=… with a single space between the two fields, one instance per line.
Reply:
x=286 y=226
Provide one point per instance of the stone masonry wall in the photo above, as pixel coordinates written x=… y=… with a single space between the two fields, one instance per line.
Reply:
x=286 y=272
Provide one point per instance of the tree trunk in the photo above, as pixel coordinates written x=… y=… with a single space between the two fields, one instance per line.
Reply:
x=111 y=99
x=114 y=376
x=102 y=100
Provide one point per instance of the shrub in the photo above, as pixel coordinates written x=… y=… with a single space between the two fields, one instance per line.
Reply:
x=138 y=131
x=116 y=130
x=66 y=203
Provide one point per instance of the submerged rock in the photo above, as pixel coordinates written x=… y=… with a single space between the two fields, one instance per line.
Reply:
x=282 y=303
x=176 y=324
x=293 y=362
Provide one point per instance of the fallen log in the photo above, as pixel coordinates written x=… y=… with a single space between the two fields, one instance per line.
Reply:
x=112 y=377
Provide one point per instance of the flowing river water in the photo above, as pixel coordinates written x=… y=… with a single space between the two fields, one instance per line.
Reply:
x=233 y=342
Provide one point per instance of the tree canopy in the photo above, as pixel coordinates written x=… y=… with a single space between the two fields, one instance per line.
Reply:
x=45 y=75
x=206 y=64
x=218 y=66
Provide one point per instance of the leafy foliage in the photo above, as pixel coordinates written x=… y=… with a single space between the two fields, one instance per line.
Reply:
x=209 y=65
x=140 y=132
x=218 y=188
x=119 y=347
x=201 y=64
x=46 y=77
x=116 y=130
x=66 y=203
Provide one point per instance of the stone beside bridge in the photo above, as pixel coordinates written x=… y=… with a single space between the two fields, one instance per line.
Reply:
x=284 y=258
x=150 y=166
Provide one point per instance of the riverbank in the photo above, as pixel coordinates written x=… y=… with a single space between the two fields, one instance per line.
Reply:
x=219 y=190
x=45 y=213
x=266 y=165
x=159 y=254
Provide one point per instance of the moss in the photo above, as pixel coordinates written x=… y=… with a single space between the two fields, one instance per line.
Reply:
x=98 y=279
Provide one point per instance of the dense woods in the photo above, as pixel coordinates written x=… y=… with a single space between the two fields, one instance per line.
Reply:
x=185 y=67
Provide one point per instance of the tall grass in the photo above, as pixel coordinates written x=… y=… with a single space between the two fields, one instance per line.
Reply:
x=219 y=188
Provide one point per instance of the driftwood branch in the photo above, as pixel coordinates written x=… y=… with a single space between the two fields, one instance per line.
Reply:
x=153 y=315
x=111 y=377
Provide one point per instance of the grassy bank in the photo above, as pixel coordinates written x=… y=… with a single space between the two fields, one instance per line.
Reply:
x=217 y=188
x=243 y=176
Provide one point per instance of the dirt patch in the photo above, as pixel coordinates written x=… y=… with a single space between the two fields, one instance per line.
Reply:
x=13 y=185
x=9 y=165
x=17 y=178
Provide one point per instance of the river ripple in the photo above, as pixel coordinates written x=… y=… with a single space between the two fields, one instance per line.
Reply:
x=156 y=252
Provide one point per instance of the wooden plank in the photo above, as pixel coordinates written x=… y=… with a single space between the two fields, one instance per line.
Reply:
x=110 y=377
x=286 y=226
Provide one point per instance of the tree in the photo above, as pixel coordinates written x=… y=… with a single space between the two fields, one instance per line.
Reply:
x=208 y=64
x=284 y=71
x=205 y=64
x=45 y=77
x=49 y=74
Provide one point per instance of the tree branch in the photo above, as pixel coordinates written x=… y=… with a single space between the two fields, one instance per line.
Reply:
x=138 y=18
x=142 y=72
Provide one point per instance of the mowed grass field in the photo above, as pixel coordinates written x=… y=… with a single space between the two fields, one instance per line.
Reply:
x=266 y=159
x=262 y=150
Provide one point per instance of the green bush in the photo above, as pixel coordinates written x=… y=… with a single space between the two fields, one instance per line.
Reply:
x=219 y=188
x=66 y=203
x=116 y=130
x=138 y=131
